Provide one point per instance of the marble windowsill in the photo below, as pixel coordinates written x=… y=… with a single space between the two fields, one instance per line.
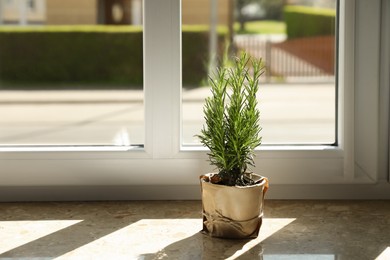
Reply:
x=170 y=230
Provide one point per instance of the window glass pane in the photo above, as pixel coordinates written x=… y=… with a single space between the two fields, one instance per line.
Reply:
x=296 y=40
x=71 y=72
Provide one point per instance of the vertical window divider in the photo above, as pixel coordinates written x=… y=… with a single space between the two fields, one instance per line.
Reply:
x=162 y=77
x=384 y=129
x=367 y=89
x=346 y=85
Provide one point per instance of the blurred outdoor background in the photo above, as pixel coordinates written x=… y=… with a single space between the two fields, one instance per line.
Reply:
x=71 y=72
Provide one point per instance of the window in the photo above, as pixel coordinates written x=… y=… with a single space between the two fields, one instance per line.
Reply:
x=73 y=82
x=31 y=4
x=164 y=168
x=297 y=97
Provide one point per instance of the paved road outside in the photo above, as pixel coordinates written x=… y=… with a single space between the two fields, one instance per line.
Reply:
x=294 y=113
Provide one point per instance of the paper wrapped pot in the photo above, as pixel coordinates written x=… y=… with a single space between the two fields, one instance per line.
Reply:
x=232 y=211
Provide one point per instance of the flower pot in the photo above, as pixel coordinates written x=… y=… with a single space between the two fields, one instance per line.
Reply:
x=232 y=211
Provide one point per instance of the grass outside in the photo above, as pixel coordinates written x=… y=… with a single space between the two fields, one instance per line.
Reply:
x=261 y=27
x=72 y=28
x=252 y=27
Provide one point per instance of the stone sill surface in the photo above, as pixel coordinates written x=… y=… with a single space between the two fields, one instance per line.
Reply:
x=291 y=229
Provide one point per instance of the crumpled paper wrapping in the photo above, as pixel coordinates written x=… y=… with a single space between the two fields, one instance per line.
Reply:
x=232 y=211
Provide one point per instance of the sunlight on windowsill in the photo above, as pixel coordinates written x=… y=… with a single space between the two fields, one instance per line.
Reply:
x=171 y=238
x=384 y=255
x=14 y=234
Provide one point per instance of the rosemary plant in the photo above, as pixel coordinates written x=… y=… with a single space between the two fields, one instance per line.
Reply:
x=232 y=129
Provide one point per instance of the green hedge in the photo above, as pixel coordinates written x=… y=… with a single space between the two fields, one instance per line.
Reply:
x=74 y=55
x=195 y=53
x=303 y=21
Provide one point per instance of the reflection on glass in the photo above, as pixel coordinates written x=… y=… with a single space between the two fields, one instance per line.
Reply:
x=296 y=40
x=71 y=72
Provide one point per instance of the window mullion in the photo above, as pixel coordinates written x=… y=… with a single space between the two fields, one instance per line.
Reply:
x=162 y=47
x=384 y=109
x=346 y=84
x=367 y=61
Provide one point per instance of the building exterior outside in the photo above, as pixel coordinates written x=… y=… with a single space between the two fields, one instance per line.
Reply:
x=71 y=12
x=59 y=12
x=198 y=11
x=22 y=12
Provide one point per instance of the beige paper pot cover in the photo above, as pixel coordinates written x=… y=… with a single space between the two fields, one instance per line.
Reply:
x=232 y=211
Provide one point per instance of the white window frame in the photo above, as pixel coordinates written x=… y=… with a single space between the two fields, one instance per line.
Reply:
x=384 y=129
x=166 y=170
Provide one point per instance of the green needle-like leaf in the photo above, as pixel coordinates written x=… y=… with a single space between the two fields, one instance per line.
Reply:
x=232 y=129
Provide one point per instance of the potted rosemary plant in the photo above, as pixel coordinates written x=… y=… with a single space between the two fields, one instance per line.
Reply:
x=233 y=197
